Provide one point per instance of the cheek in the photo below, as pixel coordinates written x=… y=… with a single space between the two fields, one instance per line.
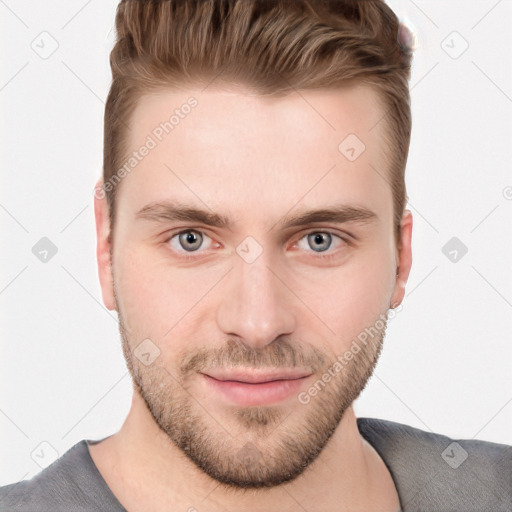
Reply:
x=353 y=297
x=146 y=298
x=155 y=297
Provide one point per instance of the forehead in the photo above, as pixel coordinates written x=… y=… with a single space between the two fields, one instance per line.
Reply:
x=240 y=152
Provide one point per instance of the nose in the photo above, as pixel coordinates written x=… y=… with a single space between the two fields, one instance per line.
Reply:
x=256 y=306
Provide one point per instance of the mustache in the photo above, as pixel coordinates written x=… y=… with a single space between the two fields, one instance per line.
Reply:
x=281 y=353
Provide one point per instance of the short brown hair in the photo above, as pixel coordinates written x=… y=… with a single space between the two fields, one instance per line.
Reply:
x=271 y=47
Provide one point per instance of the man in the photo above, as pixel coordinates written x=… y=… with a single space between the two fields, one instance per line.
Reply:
x=253 y=239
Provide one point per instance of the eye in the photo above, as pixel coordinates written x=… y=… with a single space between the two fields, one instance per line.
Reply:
x=320 y=241
x=188 y=241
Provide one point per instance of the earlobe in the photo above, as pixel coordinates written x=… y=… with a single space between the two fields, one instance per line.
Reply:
x=103 y=246
x=404 y=260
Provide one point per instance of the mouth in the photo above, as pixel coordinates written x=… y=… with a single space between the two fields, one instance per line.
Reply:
x=256 y=376
x=254 y=387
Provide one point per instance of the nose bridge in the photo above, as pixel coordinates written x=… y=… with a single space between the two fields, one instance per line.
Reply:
x=255 y=305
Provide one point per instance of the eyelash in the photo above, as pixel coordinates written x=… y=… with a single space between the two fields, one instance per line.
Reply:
x=320 y=255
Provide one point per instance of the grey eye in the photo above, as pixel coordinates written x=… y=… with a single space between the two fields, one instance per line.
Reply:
x=320 y=241
x=190 y=240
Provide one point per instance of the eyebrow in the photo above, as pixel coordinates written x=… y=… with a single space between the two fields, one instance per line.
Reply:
x=174 y=211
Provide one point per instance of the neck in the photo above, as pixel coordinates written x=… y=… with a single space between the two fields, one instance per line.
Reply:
x=146 y=471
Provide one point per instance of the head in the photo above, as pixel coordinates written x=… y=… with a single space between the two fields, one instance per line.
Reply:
x=252 y=216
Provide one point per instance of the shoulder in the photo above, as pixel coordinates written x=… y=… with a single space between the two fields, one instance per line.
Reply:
x=435 y=472
x=72 y=484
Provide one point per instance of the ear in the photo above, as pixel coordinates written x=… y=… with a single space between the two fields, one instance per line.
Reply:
x=103 y=246
x=404 y=259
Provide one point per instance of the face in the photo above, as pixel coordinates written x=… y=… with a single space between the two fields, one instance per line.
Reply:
x=250 y=251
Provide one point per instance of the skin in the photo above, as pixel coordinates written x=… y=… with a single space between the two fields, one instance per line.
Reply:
x=254 y=160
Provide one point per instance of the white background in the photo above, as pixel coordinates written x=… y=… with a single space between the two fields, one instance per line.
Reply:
x=446 y=365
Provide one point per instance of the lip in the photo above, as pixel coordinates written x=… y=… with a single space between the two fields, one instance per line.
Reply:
x=256 y=376
x=254 y=388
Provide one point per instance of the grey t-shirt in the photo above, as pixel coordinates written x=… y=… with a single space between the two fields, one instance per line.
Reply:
x=432 y=473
